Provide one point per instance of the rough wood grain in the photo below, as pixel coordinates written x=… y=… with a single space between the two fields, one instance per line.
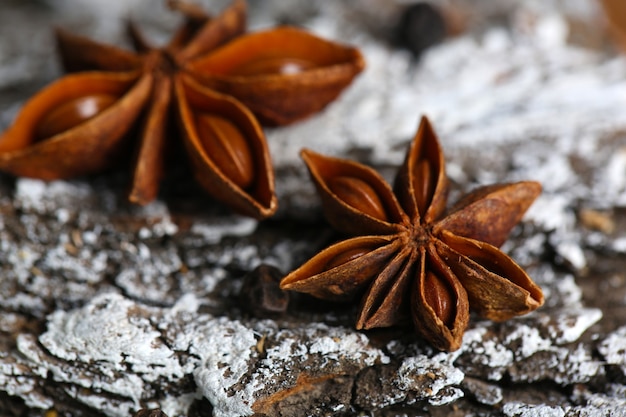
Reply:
x=106 y=308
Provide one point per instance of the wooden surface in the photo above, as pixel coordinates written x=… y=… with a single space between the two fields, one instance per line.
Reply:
x=106 y=308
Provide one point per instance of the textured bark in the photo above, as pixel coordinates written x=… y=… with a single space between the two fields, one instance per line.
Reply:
x=106 y=308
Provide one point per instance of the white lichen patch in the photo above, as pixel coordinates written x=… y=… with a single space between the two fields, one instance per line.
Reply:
x=116 y=346
x=116 y=333
x=213 y=231
x=611 y=402
x=316 y=350
x=559 y=289
x=491 y=355
x=613 y=348
x=526 y=341
x=612 y=179
x=417 y=379
x=563 y=366
x=225 y=349
x=567 y=326
x=483 y=392
x=106 y=348
x=525 y=350
x=19 y=379
x=77 y=265
x=42 y=197
x=332 y=344
x=111 y=346
x=329 y=344
x=445 y=396
x=430 y=380
x=150 y=275
x=538 y=355
x=159 y=219
x=516 y=409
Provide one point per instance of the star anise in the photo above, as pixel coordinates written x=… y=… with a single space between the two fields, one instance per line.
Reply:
x=409 y=256
x=214 y=79
x=615 y=11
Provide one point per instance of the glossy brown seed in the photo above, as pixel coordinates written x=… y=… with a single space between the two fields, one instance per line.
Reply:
x=438 y=296
x=72 y=113
x=345 y=257
x=358 y=194
x=277 y=98
x=267 y=66
x=424 y=186
x=225 y=145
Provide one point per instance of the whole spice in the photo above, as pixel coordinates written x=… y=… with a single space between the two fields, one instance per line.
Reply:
x=213 y=79
x=421 y=25
x=260 y=293
x=615 y=12
x=424 y=24
x=410 y=257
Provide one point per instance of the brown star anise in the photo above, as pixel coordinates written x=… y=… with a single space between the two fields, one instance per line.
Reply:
x=211 y=77
x=409 y=256
x=615 y=11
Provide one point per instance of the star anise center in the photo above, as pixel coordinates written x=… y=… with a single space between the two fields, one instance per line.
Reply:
x=162 y=62
x=420 y=235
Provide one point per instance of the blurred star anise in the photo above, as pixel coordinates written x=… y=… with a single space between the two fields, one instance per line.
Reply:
x=615 y=12
x=410 y=256
x=211 y=77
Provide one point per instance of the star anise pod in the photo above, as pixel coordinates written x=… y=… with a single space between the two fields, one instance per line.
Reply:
x=409 y=256
x=213 y=78
x=615 y=12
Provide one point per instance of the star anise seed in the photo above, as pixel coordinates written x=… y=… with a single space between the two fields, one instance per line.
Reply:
x=212 y=83
x=408 y=257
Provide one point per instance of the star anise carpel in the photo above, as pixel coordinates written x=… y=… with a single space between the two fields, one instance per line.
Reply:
x=209 y=88
x=410 y=257
x=615 y=13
